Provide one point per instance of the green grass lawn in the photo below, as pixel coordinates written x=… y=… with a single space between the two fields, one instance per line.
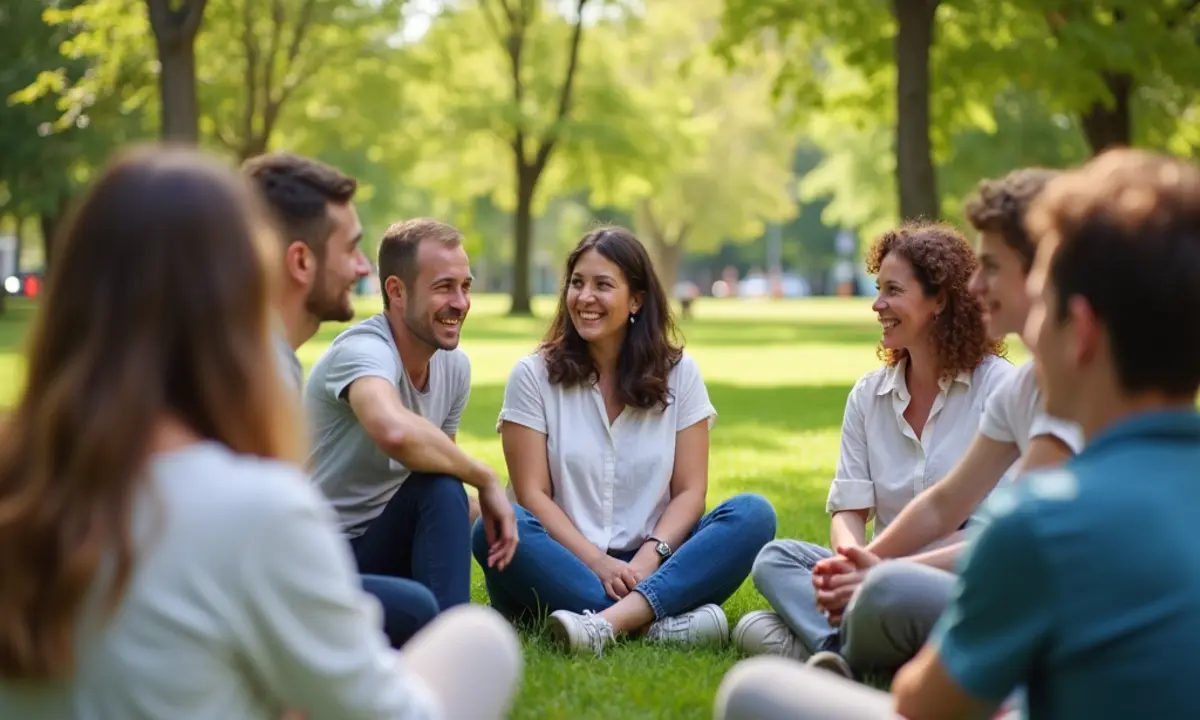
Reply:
x=778 y=374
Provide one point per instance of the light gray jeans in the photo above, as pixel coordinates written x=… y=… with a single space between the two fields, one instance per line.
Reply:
x=774 y=688
x=886 y=622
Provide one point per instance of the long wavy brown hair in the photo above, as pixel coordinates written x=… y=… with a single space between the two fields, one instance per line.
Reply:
x=942 y=261
x=156 y=306
x=651 y=348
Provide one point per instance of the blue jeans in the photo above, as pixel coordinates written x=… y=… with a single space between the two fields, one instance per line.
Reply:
x=407 y=606
x=422 y=535
x=708 y=567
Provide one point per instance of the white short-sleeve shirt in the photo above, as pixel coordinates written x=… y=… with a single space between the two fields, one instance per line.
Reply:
x=882 y=465
x=1015 y=413
x=612 y=481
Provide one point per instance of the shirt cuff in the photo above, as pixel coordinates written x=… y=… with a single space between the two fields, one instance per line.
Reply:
x=850 y=495
x=520 y=417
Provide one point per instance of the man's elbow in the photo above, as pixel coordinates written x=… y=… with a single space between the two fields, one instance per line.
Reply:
x=904 y=688
x=394 y=439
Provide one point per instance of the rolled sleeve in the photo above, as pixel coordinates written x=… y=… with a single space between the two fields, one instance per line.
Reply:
x=995 y=422
x=852 y=487
x=694 y=403
x=1071 y=434
x=358 y=357
x=523 y=400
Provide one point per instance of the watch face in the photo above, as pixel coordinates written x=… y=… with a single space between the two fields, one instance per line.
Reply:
x=663 y=549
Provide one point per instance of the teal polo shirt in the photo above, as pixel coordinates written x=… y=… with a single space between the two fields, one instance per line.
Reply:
x=1082 y=585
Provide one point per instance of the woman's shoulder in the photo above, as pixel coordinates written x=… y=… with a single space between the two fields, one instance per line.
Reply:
x=993 y=370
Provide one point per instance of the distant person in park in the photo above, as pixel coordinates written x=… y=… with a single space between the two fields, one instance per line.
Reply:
x=906 y=426
x=384 y=403
x=1036 y=605
x=605 y=431
x=162 y=553
x=313 y=206
x=899 y=602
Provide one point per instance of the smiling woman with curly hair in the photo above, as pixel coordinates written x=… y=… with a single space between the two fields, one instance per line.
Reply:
x=906 y=425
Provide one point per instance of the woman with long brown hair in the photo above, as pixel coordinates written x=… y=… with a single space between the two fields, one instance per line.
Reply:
x=605 y=432
x=162 y=554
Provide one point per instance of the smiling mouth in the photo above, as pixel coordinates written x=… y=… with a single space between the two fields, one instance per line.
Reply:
x=888 y=324
x=450 y=321
x=589 y=315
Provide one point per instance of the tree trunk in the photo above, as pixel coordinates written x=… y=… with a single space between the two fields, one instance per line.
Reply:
x=915 y=176
x=175 y=31
x=667 y=256
x=177 y=88
x=1104 y=126
x=523 y=235
x=49 y=224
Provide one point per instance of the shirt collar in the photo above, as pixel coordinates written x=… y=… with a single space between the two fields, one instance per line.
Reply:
x=1174 y=424
x=893 y=380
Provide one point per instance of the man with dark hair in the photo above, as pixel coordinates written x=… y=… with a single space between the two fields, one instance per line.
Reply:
x=384 y=403
x=314 y=208
x=887 y=612
x=1082 y=584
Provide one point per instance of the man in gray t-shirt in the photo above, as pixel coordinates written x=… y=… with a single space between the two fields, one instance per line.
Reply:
x=384 y=403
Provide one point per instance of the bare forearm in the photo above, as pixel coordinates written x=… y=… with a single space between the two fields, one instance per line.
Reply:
x=943 y=558
x=679 y=518
x=423 y=447
x=848 y=527
x=558 y=525
x=920 y=523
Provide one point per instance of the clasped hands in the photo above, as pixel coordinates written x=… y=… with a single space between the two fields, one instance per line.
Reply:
x=835 y=579
x=620 y=578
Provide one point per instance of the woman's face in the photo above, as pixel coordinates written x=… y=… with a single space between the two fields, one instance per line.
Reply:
x=905 y=312
x=599 y=300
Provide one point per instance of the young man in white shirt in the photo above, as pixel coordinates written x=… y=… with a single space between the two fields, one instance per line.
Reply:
x=384 y=403
x=896 y=605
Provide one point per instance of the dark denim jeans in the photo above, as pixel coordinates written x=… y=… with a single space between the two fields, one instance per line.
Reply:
x=708 y=567
x=407 y=606
x=422 y=535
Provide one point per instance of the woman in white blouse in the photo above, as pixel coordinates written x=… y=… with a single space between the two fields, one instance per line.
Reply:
x=905 y=426
x=605 y=432
x=162 y=554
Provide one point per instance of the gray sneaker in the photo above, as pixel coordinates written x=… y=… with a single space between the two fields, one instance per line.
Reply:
x=581 y=633
x=832 y=662
x=762 y=632
x=706 y=625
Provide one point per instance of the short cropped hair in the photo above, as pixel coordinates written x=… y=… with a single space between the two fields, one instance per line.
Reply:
x=298 y=190
x=1124 y=233
x=398 y=248
x=999 y=206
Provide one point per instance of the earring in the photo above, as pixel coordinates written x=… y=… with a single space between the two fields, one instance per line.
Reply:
x=632 y=319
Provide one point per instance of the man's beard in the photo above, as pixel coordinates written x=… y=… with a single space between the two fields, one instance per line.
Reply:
x=328 y=307
x=422 y=328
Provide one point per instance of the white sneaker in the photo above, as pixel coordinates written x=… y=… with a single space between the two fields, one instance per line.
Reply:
x=831 y=662
x=706 y=625
x=581 y=633
x=762 y=632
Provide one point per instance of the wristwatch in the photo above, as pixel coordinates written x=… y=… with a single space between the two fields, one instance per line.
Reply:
x=660 y=547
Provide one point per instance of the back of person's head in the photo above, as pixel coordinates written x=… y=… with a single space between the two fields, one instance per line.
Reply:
x=942 y=263
x=1122 y=235
x=650 y=348
x=999 y=206
x=156 y=306
x=298 y=190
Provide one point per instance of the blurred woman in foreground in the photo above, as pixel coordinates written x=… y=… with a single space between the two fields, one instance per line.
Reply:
x=162 y=555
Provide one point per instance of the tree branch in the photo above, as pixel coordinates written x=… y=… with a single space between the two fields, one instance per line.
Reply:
x=250 y=45
x=564 y=98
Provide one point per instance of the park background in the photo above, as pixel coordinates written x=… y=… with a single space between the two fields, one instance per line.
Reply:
x=756 y=147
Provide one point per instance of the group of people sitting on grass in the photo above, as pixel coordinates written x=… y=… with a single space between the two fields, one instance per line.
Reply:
x=188 y=529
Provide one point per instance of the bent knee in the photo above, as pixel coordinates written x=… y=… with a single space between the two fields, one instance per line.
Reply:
x=900 y=587
x=756 y=514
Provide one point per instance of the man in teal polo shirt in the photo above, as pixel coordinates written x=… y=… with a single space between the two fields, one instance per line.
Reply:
x=1081 y=590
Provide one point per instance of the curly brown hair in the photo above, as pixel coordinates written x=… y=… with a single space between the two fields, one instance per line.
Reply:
x=999 y=206
x=651 y=348
x=942 y=261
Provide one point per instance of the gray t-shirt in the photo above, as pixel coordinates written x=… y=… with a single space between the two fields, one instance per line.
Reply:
x=355 y=475
x=289 y=363
x=244 y=601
